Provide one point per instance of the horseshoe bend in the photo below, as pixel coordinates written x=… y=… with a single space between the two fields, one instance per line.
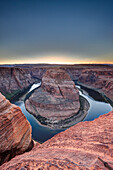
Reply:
x=56 y=85
x=56 y=100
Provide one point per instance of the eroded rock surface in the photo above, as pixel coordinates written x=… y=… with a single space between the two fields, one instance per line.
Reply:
x=56 y=99
x=15 y=131
x=77 y=148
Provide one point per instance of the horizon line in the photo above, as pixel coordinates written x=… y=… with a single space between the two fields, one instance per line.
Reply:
x=111 y=63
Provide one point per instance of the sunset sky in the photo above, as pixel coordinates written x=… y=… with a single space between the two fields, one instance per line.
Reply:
x=56 y=31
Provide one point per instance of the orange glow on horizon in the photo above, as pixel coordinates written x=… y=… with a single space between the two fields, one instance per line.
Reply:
x=54 y=60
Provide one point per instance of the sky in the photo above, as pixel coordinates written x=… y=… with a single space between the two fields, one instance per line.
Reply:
x=56 y=31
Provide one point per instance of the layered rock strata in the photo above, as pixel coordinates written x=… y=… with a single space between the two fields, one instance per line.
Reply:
x=15 y=78
x=56 y=99
x=13 y=81
x=78 y=148
x=15 y=131
x=102 y=80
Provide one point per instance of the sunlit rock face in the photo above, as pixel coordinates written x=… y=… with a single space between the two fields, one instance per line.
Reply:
x=15 y=131
x=56 y=99
x=77 y=148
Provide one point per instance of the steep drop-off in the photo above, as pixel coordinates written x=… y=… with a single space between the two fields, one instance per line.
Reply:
x=15 y=131
x=78 y=148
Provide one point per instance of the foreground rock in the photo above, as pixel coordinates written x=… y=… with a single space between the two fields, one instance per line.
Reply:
x=56 y=99
x=15 y=131
x=78 y=148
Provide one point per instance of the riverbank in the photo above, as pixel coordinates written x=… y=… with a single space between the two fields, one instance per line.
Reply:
x=99 y=94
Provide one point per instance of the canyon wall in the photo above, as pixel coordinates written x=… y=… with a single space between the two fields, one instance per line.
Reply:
x=15 y=131
x=100 y=79
x=15 y=78
x=78 y=148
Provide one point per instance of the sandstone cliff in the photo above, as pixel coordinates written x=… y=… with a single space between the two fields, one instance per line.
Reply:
x=77 y=148
x=14 y=80
x=101 y=79
x=56 y=99
x=15 y=131
x=17 y=77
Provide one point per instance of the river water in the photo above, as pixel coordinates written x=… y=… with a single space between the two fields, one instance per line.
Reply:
x=42 y=133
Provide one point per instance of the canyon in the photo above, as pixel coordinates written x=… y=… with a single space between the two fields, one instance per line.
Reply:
x=17 y=78
x=76 y=148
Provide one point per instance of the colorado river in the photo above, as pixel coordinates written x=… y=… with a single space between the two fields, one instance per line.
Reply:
x=42 y=133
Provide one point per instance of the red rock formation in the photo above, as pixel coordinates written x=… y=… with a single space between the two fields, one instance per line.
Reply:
x=99 y=78
x=15 y=131
x=77 y=148
x=58 y=83
x=56 y=99
x=14 y=80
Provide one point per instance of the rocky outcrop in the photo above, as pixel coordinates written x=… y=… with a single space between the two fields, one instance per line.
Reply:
x=77 y=148
x=59 y=84
x=15 y=131
x=56 y=99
